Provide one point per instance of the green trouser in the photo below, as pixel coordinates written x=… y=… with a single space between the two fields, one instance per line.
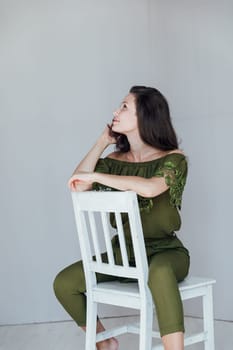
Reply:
x=165 y=270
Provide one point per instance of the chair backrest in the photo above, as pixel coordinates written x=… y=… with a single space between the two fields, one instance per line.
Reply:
x=92 y=210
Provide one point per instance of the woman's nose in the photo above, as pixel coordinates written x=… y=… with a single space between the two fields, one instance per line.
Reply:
x=115 y=113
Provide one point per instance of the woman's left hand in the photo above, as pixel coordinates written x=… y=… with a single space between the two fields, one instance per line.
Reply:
x=81 y=178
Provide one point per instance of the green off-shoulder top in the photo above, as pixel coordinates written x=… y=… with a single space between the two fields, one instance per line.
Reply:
x=159 y=215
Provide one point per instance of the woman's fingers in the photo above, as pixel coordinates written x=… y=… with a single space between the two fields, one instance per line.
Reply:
x=80 y=179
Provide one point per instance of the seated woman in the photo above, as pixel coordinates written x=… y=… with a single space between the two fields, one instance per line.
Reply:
x=147 y=160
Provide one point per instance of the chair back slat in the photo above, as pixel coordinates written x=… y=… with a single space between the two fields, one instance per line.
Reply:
x=93 y=233
x=83 y=231
x=95 y=239
x=121 y=236
x=107 y=237
x=138 y=241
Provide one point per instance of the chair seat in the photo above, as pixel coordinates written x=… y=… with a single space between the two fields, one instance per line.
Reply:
x=116 y=292
x=129 y=288
x=194 y=282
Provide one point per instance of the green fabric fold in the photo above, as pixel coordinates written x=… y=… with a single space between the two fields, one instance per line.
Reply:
x=173 y=167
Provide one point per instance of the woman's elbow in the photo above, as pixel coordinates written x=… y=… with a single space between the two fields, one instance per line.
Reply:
x=152 y=191
x=148 y=193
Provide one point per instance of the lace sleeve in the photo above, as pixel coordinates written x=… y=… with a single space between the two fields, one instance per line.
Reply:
x=175 y=174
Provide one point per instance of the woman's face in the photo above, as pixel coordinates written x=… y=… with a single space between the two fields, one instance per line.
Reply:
x=125 y=117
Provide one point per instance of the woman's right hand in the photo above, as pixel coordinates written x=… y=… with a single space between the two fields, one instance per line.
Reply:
x=107 y=135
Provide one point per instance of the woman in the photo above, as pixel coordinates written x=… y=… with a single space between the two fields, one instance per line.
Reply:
x=147 y=161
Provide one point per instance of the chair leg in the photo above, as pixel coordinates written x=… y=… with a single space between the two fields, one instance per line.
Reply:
x=91 y=325
x=146 y=324
x=208 y=318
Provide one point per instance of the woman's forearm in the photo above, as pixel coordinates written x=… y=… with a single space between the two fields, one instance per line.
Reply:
x=88 y=163
x=144 y=187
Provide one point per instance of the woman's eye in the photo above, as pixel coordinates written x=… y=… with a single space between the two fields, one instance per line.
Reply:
x=124 y=106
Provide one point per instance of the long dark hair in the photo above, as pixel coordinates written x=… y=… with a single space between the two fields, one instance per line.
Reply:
x=154 y=121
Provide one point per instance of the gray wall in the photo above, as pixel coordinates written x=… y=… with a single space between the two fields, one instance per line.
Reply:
x=64 y=68
x=193 y=64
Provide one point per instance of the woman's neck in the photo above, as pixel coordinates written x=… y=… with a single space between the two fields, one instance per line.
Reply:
x=140 y=151
x=143 y=155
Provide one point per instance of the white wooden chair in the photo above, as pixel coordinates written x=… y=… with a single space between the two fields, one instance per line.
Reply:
x=91 y=213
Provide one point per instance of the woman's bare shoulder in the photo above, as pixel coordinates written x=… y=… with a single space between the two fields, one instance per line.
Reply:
x=115 y=155
x=179 y=151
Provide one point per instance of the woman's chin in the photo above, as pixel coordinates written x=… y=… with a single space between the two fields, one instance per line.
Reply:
x=115 y=129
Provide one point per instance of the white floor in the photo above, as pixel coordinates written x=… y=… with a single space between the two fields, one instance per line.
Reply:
x=67 y=336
